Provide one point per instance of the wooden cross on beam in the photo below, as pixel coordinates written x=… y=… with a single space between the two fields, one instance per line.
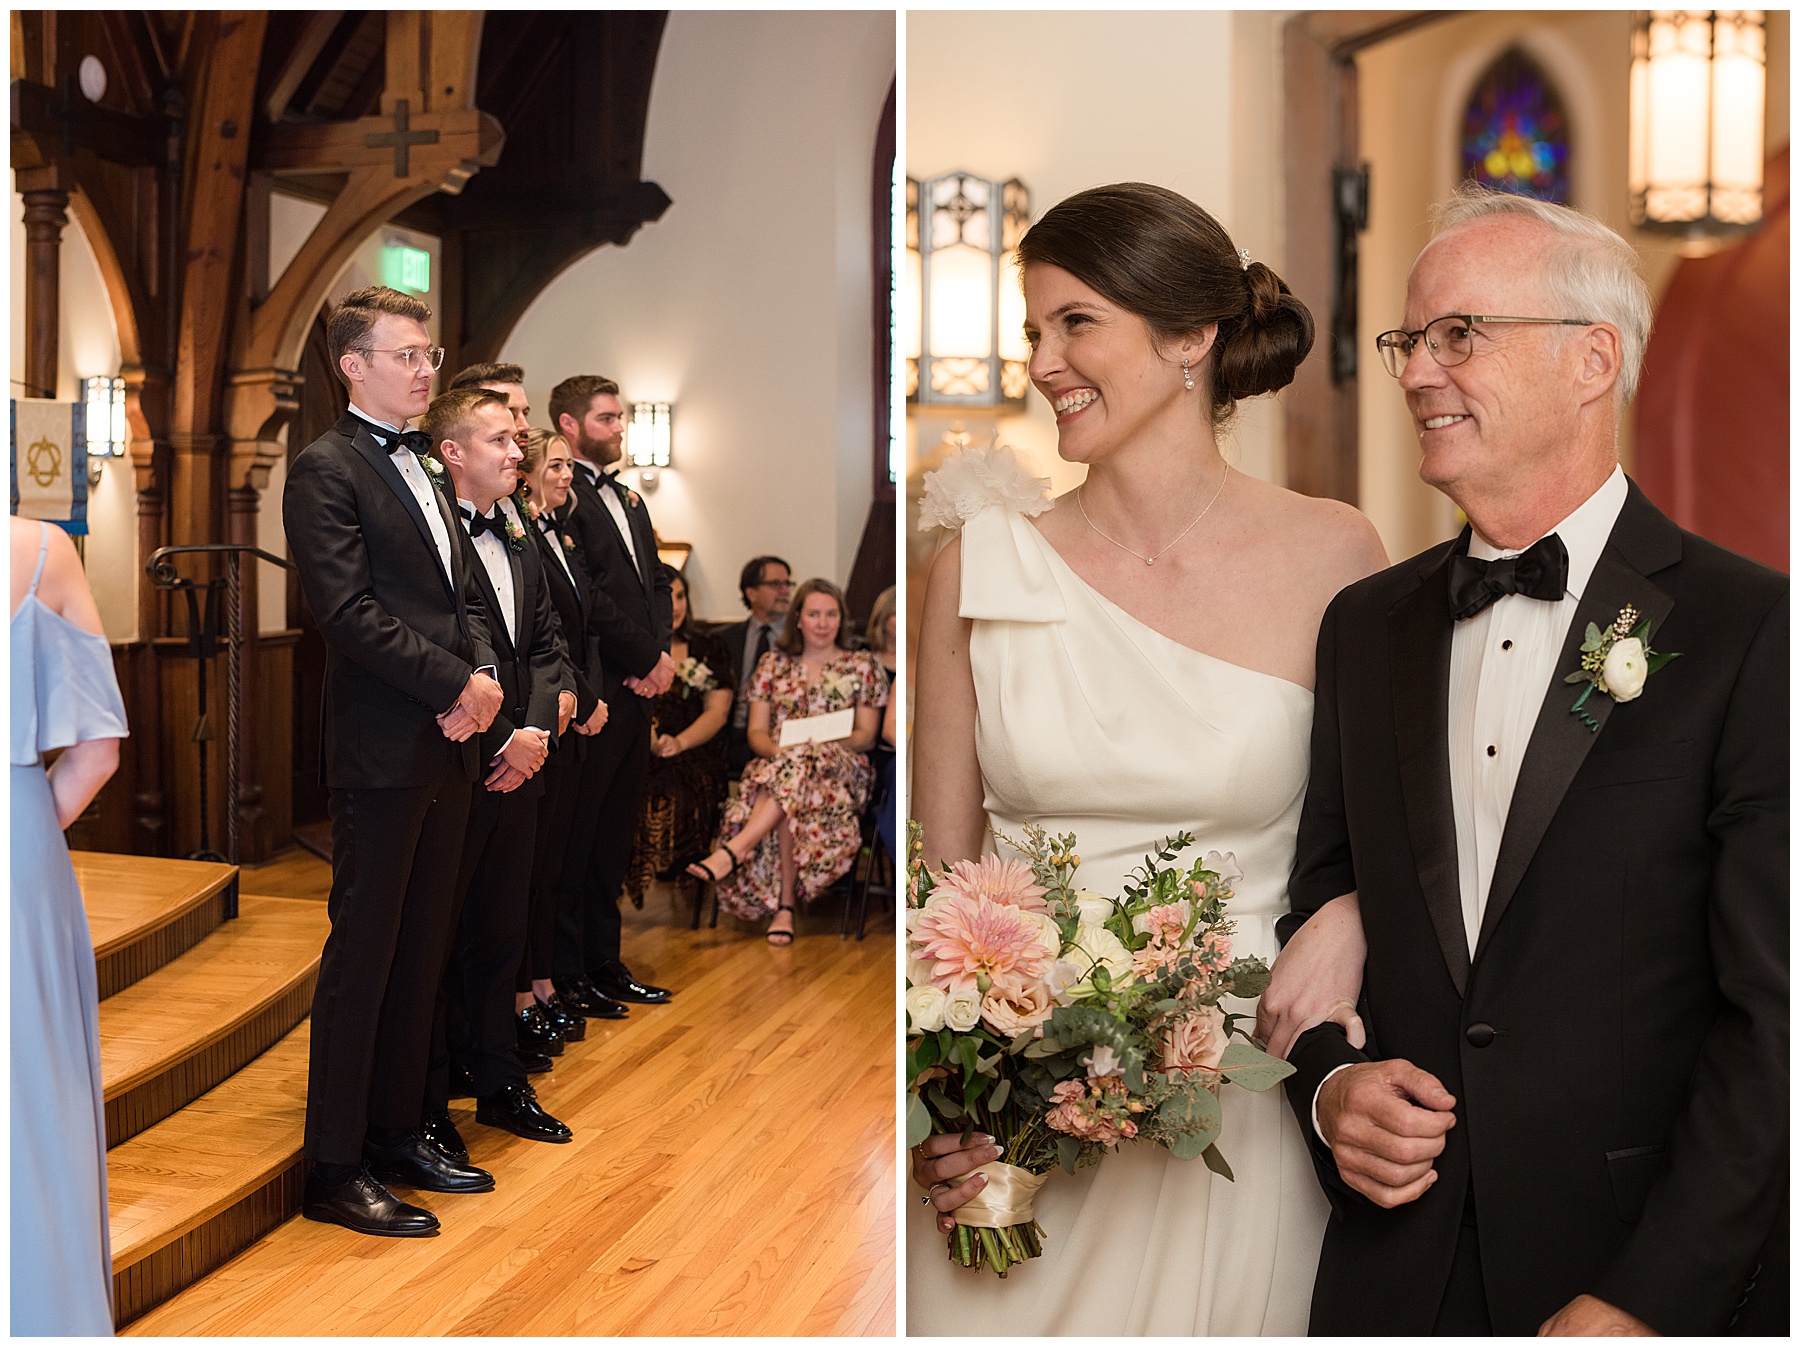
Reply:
x=401 y=138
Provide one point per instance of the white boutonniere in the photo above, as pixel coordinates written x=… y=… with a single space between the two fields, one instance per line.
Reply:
x=632 y=498
x=435 y=471
x=1617 y=661
x=694 y=675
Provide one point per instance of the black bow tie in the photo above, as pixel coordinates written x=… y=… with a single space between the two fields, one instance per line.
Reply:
x=479 y=524
x=1541 y=571
x=394 y=440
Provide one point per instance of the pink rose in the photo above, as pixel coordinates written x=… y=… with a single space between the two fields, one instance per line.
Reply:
x=1010 y=1011
x=1193 y=1042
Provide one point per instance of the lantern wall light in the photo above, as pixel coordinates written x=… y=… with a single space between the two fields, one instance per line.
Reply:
x=649 y=440
x=1697 y=93
x=107 y=434
x=962 y=314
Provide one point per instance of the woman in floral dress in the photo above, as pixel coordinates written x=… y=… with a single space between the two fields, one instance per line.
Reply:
x=792 y=829
x=687 y=753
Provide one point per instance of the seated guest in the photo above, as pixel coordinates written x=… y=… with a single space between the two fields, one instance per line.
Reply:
x=792 y=830
x=883 y=642
x=764 y=585
x=471 y=433
x=547 y=469
x=881 y=637
x=687 y=754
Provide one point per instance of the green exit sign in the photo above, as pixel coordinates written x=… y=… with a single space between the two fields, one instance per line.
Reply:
x=406 y=268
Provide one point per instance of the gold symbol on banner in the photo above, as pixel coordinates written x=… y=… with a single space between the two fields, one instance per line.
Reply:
x=41 y=472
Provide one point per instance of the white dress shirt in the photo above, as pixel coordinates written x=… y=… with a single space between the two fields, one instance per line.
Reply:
x=414 y=473
x=1502 y=662
x=614 y=506
x=492 y=551
x=547 y=526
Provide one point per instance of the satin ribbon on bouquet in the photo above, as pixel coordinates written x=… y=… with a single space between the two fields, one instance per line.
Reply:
x=1007 y=1200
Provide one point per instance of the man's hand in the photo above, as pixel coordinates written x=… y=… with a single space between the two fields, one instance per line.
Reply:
x=595 y=722
x=659 y=680
x=475 y=708
x=523 y=755
x=565 y=711
x=1385 y=1123
x=458 y=723
x=1316 y=978
x=1590 y=1317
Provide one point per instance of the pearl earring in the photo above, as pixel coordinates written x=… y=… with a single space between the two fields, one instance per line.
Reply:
x=1186 y=377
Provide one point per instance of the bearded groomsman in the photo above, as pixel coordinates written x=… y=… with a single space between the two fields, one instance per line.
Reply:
x=1569 y=847
x=471 y=433
x=630 y=614
x=408 y=686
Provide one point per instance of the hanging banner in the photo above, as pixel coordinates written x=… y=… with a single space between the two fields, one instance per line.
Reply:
x=49 y=462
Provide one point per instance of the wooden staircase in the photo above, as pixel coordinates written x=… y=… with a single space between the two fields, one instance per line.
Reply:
x=203 y=1053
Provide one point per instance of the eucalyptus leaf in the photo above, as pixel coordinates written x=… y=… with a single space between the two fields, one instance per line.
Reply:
x=1216 y=1163
x=1195 y=1117
x=1247 y=1065
x=946 y=1106
x=1579 y=676
x=1593 y=637
x=918 y=1120
x=997 y=1100
x=1068 y=1151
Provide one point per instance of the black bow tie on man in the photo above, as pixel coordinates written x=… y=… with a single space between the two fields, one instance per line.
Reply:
x=1541 y=571
x=391 y=440
x=479 y=524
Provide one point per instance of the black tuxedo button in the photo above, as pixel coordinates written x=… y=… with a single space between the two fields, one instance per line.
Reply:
x=1480 y=1035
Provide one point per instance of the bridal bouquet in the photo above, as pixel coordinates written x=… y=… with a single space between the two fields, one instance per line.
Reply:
x=1062 y=1022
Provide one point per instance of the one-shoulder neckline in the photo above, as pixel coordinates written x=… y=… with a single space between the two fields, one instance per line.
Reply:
x=1058 y=560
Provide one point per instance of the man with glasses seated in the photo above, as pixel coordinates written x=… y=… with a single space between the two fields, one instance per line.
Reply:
x=766 y=585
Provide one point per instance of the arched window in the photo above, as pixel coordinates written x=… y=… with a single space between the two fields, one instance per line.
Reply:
x=1515 y=133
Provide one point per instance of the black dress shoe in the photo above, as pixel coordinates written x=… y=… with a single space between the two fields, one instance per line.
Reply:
x=462 y=1084
x=580 y=994
x=442 y=1133
x=514 y=1107
x=570 y=1023
x=419 y=1164
x=363 y=1205
x=614 y=979
x=536 y=1032
x=535 y=1063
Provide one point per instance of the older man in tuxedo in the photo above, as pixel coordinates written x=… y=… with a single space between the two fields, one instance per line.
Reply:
x=1569 y=849
x=630 y=614
x=408 y=686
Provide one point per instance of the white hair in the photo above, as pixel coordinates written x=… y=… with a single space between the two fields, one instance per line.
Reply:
x=1591 y=271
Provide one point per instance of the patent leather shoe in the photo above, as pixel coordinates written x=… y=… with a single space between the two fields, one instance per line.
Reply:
x=441 y=1132
x=614 y=979
x=514 y=1108
x=363 y=1205
x=582 y=995
x=568 y=1021
x=535 y=1063
x=536 y=1032
x=419 y=1164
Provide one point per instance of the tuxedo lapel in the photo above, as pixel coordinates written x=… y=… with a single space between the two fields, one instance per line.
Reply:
x=383 y=463
x=1643 y=541
x=1419 y=628
x=601 y=489
x=503 y=644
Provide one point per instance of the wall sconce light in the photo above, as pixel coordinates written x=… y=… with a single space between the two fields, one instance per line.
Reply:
x=649 y=440
x=1697 y=90
x=104 y=425
x=963 y=314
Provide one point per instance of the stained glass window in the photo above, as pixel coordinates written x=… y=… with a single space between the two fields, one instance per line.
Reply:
x=1515 y=134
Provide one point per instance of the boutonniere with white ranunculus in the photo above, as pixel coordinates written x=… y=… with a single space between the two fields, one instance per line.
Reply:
x=435 y=470
x=1617 y=661
x=632 y=498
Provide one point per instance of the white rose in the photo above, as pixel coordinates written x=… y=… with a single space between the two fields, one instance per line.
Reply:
x=1625 y=669
x=912 y=920
x=962 y=1010
x=919 y=971
x=925 y=1008
x=1095 y=945
x=1092 y=909
x=1049 y=933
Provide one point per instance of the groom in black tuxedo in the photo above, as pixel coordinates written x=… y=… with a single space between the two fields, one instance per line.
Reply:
x=630 y=615
x=1571 y=1115
x=408 y=686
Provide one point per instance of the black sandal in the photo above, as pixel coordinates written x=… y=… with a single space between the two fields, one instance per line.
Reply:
x=701 y=870
x=781 y=939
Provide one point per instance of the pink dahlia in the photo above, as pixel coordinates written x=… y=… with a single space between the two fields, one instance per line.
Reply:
x=1008 y=882
x=969 y=938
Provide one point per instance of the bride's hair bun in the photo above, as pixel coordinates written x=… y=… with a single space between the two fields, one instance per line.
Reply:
x=1158 y=255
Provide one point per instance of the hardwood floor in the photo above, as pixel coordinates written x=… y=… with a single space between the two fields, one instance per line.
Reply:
x=732 y=1173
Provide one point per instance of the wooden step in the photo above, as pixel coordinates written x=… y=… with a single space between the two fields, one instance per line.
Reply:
x=170 y=1037
x=201 y=1186
x=144 y=911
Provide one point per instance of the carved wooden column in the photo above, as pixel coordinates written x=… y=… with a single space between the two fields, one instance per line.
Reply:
x=46 y=212
x=253 y=842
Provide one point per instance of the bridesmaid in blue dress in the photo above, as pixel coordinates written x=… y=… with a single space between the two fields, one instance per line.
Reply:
x=64 y=695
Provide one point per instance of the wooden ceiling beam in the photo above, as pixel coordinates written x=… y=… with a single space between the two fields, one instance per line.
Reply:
x=344 y=147
x=300 y=57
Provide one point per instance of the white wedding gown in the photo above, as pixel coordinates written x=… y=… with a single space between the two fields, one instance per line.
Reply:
x=1091 y=722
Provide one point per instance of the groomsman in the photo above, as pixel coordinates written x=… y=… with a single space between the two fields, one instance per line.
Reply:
x=765 y=584
x=408 y=686
x=1571 y=1116
x=630 y=614
x=471 y=434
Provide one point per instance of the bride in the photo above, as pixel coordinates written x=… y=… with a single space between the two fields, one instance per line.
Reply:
x=1129 y=661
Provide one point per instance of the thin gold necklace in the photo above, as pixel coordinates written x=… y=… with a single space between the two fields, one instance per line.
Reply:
x=1151 y=559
